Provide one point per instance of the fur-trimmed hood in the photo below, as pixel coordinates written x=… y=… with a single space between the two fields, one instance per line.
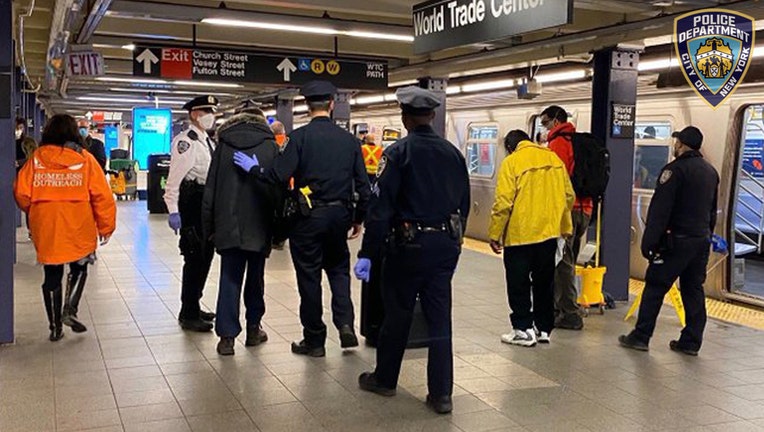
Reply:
x=244 y=131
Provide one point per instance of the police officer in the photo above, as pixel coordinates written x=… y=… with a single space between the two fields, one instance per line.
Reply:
x=325 y=161
x=418 y=209
x=680 y=223
x=191 y=156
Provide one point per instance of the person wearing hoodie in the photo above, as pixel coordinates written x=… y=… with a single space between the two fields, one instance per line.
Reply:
x=70 y=206
x=25 y=145
x=559 y=137
x=238 y=216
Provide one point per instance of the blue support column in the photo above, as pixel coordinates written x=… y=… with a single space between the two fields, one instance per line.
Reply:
x=437 y=86
x=7 y=174
x=341 y=113
x=615 y=83
x=285 y=110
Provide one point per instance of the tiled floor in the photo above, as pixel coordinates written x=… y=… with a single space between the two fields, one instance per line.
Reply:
x=135 y=370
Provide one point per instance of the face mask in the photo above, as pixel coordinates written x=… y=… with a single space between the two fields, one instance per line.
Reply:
x=207 y=121
x=84 y=132
x=543 y=135
x=19 y=133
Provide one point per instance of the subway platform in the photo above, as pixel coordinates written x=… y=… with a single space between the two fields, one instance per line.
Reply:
x=136 y=370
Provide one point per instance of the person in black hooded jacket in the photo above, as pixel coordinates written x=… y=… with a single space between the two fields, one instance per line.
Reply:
x=238 y=215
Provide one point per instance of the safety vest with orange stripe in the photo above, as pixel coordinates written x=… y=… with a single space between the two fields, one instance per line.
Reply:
x=371 y=156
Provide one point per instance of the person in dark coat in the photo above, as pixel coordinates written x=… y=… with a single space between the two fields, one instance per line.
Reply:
x=93 y=145
x=237 y=212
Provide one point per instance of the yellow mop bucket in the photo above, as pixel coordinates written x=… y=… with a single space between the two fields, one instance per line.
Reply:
x=593 y=277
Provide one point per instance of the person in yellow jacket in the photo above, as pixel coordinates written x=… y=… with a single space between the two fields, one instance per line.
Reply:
x=531 y=211
x=372 y=154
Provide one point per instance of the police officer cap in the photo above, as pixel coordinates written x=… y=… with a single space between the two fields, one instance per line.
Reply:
x=202 y=102
x=416 y=100
x=689 y=136
x=315 y=91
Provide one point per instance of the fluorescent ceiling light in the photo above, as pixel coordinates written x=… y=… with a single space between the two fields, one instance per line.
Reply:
x=301 y=109
x=657 y=64
x=488 y=85
x=561 y=76
x=365 y=100
x=308 y=29
x=127 y=100
x=384 y=36
x=390 y=97
x=129 y=47
x=270 y=113
x=402 y=83
x=452 y=90
x=269 y=26
x=132 y=80
x=206 y=84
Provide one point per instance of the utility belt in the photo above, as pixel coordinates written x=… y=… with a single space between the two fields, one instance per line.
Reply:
x=334 y=203
x=406 y=232
x=191 y=185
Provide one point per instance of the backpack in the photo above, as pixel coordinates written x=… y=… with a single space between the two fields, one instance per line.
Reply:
x=591 y=170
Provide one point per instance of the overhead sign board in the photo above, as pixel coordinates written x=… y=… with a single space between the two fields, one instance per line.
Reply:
x=84 y=63
x=441 y=24
x=254 y=68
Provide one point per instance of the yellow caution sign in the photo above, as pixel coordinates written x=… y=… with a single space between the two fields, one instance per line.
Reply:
x=332 y=67
x=317 y=66
x=676 y=300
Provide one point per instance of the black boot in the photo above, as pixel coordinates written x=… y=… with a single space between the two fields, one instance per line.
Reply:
x=53 y=300
x=75 y=284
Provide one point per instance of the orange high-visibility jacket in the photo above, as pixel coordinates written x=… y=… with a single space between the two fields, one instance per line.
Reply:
x=371 y=156
x=68 y=201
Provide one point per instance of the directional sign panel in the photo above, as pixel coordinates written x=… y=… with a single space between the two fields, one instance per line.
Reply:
x=254 y=68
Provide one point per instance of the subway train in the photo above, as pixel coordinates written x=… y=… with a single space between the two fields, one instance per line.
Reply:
x=734 y=141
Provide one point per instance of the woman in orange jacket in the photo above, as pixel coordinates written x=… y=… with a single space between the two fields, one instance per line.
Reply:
x=70 y=206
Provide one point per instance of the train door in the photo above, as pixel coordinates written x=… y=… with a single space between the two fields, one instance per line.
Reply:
x=652 y=151
x=481 y=151
x=748 y=269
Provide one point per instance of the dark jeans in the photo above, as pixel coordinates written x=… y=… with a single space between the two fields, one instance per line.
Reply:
x=565 y=294
x=233 y=263
x=687 y=261
x=197 y=252
x=530 y=268
x=319 y=243
x=425 y=268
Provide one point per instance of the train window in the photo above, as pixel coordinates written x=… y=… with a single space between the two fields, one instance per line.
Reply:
x=482 y=141
x=652 y=152
x=753 y=146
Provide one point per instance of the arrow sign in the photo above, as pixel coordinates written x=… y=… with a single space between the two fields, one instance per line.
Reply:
x=287 y=67
x=147 y=58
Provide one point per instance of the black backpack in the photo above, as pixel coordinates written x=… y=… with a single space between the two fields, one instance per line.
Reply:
x=591 y=171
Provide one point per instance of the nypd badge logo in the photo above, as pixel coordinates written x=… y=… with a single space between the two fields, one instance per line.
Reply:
x=715 y=48
x=381 y=166
x=183 y=146
x=665 y=176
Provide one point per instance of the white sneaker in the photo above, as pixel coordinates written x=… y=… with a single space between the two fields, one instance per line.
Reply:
x=543 y=337
x=520 y=337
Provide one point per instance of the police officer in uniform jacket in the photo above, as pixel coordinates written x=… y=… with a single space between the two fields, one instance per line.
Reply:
x=190 y=161
x=325 y=161
x=419 y=205
x=680 y=223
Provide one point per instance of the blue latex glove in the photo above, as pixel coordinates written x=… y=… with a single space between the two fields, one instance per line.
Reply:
x=362 y=269
x=174 y=221
x=718 y=244
x=244 y=161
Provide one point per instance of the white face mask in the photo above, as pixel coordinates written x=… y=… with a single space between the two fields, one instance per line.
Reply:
x=19 y=132
x=207 y=121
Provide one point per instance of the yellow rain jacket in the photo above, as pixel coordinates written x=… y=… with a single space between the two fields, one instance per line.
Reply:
x=533 y=198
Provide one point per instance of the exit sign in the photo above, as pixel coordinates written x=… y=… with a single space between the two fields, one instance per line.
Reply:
x=84 y=63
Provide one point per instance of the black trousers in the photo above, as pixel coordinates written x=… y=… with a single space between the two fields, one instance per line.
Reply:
x=687 y=261
x=530 y=269
x=372 y=308
x=197 y=251
x=425 y=268
x=319 y=243
x=233 y=264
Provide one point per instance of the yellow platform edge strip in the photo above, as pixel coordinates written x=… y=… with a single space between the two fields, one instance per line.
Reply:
x=720 y=310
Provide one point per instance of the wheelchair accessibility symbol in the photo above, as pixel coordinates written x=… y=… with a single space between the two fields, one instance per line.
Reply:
x=303 y=64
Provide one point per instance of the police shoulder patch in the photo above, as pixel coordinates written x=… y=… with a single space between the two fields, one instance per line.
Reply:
x=665 y=176
x=183 y=146
x=381 y=166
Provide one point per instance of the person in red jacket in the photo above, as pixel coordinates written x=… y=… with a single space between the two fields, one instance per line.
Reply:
x=559 y=137
x=70 y=206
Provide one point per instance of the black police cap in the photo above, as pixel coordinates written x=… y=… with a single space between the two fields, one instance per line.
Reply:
x=690 y=136
x=318 y=90
x=202 y=102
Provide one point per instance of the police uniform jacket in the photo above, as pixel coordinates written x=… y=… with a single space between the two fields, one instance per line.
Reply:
x=684 y=203
x=326 y=158
x=422 y=179
x=238 y=209
x=190 y=160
